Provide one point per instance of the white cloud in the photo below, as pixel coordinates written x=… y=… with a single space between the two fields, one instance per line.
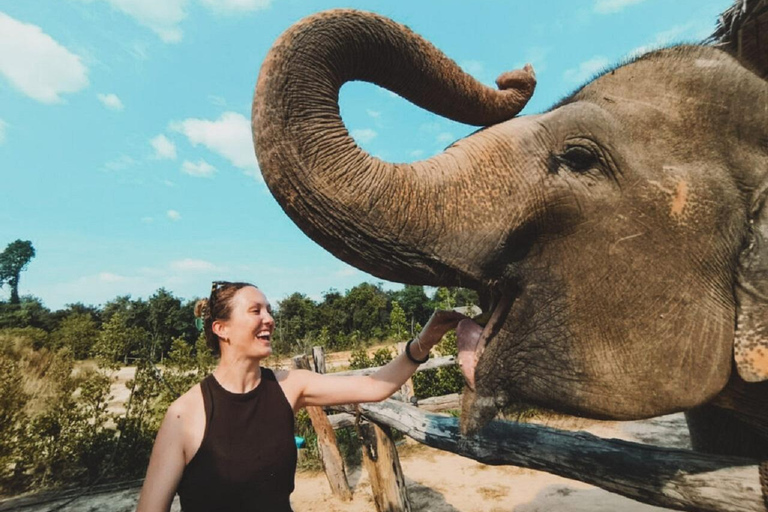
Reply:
x=229 y=136
x=346 y=271
x=431 y=127
x=108 y=277
x=37 y=65
x=111 y=101
x=691 y=30
x=201 y=169
x=164 y=148
x=192 y=265
x=3 y=126
x=416 y=153
x=586 y=70
x=120 y=163
x=373 y=113
x=473 y=67
x=537 y=57
x=611 y=6
x=364 y=135
x=445 y=138
x=235 y=6
x=162 y=17
x=147 y=220
x=173 y=215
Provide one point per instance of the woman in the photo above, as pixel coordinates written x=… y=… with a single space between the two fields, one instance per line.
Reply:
x=227 y=443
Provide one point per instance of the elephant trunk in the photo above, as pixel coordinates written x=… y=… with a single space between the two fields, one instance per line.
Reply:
x=384 y=218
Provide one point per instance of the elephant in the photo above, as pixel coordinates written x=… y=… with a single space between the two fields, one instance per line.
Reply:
x=619 y=239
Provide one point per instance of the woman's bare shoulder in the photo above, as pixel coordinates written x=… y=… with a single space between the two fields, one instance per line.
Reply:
x=188 y=405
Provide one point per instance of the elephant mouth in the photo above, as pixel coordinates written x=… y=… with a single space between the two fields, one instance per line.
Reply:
x=473 y=337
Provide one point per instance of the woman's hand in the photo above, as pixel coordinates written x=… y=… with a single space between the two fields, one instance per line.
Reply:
x=439 y=323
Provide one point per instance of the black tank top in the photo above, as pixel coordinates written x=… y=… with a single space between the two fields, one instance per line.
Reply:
x=247 y=459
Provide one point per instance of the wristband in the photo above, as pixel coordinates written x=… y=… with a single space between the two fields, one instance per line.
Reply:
x=410 y=356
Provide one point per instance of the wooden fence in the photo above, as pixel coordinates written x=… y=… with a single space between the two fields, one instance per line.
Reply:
x=664 y=477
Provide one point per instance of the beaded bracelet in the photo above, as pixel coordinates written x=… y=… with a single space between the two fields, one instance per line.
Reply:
x=410 y=356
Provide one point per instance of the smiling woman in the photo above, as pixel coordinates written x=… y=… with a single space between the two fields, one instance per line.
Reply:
x=227 y=443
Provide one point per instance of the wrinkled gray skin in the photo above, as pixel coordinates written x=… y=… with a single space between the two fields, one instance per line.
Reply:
x=611 y=235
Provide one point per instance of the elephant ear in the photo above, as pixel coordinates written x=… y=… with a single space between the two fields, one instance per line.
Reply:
x=751 y=343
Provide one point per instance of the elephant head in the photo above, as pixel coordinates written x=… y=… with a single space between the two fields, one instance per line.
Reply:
x=619 y=239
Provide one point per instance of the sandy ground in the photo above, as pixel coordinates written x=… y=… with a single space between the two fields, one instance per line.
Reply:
x=443 y=482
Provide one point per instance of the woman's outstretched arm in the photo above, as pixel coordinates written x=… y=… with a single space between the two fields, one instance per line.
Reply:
x=318 y=389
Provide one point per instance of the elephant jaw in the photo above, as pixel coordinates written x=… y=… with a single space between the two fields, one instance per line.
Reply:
x=472 y=338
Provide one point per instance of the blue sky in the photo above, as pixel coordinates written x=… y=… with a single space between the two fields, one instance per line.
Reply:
x=125 y=146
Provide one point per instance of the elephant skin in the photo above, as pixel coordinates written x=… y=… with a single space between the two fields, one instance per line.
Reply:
x=619 y=240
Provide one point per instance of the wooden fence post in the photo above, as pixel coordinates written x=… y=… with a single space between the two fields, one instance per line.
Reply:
x=318 y=355
x=383 y=466
x=326 y=443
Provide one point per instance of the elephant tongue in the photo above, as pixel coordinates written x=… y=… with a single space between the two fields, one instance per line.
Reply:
x=468 y=338
x=472 y=338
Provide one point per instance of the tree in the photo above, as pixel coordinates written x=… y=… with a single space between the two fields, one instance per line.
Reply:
x=29 y=312
x=13 y=261
x=296 y=319
x=417 y=306
x=117 y=341
x=135 y=312
x=167 y=320
x=78 y=332
x=397 y=323
x=367 y=304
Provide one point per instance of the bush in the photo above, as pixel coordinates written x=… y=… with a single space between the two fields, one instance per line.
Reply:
x=440 y=381
x=359 y=358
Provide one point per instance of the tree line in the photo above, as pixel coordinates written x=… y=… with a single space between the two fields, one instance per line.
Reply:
x=360 y=316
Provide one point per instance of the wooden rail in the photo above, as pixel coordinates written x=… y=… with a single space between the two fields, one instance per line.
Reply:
x=665 y=477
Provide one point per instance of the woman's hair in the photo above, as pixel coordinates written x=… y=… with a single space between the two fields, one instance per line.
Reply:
x=217 y=307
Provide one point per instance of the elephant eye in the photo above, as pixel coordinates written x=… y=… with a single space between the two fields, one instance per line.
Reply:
x=579 y=158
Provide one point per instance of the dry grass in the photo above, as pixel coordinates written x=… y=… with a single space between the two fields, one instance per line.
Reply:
x=493 y=493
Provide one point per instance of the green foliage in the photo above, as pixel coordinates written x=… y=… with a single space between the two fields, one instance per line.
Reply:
x=29 y=312
x=12 y=402
x=397 y=325
x=382 y=356
x=303 y=428
x=415 y=303
x=13 y=261
x=68 y=441
x=167 y=320
x=78 y=332
x=12 y=338
x=359 y=359
x=117 y=341
x=440 y=381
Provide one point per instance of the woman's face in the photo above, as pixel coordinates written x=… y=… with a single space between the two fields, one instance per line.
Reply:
x=250 y=325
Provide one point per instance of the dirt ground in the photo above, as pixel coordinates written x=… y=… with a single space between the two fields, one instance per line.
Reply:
x=443 y=482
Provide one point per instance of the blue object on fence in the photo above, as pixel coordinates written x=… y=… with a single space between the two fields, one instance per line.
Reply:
x=300 y=442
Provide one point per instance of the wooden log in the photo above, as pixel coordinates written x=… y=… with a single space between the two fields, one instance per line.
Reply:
x=342 y=420
x=665 y=477
x=440 y=403
x=435 y=362
x=333 y=464
x=383 y=466
x=406 y=390
x=318 y=355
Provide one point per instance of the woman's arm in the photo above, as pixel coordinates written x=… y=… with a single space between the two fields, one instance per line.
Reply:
x=318 y=389
x=166 y=464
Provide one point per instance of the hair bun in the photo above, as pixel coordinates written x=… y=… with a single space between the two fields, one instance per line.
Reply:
x=201 y=308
